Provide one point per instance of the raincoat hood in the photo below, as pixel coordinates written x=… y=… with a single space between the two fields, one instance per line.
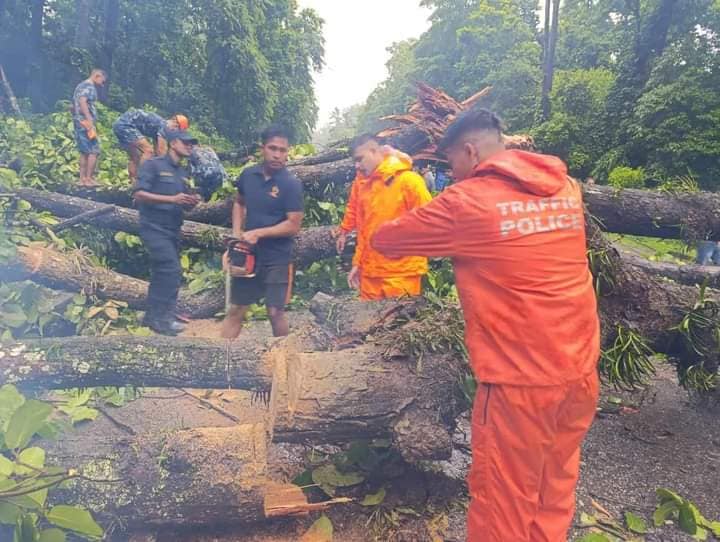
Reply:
x=537 y=174
x=391 y=166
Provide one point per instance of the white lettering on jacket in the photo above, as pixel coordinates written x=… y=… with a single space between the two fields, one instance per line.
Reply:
x=540 y=215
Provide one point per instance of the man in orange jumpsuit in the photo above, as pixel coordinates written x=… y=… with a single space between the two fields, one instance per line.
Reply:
x=514 y=228
x=385 y=187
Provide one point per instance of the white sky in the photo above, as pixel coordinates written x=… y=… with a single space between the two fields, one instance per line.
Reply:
x=357 y=35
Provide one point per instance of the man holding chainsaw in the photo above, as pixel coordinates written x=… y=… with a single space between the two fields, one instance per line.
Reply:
x=266 y=216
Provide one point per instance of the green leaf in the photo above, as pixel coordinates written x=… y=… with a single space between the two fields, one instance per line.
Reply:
x=320 y=531
x=13 y=315
x=79 y=414
x=26 y=528
x=586 y=520
x=330 y=475
x=687 y=519
x=594 y=537
x=665 y=495
x=374 y=499
x=23 y=205
x=9 y=513
x=35 y=457
x=52 y=535
x=7 y=467
x=75 y=519
x=185 y=261
x=663 y=512
x=358 y=452
x=25 y=422
x=635 y=523
x=303 y=479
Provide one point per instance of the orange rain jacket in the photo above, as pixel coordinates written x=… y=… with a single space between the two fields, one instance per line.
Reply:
x=516 y=234
x=392 y=190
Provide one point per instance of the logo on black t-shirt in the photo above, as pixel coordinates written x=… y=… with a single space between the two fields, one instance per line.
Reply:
x=274 y=192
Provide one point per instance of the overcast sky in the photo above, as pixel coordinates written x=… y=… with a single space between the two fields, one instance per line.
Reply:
x=357 y=35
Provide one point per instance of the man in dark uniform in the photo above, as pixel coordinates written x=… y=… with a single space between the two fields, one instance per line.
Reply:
x=135 y=129
x=162 y=193
x=267 y=214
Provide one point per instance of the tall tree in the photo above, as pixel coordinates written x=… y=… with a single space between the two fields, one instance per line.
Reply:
x=82 y=24
x=550 y=41
x=112 y=19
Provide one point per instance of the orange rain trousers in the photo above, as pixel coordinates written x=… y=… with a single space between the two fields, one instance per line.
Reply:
x=526 y=459
x=376 y=288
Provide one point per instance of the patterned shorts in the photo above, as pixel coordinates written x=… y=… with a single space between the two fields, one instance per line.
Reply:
x=85 y=145
x=126 y=135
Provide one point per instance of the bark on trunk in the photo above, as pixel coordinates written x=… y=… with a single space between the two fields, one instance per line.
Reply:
x=9 y=93
x=312 y=244
x=200 y=476
x=689 y=274
x=82 y=362
x=179 y=463
x=655 y=214
x=75 y=273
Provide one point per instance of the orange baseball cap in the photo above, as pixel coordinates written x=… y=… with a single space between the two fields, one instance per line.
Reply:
x=182 y=121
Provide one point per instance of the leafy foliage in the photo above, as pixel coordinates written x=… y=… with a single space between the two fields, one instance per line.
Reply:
x=231 y=66
x=25 y=479
x=628 y=363
x=673 y=507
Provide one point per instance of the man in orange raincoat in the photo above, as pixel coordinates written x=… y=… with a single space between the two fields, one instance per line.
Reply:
x=385 y=187
x=514 y=228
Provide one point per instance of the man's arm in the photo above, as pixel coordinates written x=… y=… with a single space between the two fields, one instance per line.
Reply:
x=350 y=219
x=85 y=109
x=287 y=228
x=142 y=191
x=238 y=215
x=429 y=230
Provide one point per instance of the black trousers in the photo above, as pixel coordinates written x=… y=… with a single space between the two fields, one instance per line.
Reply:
x=165 y=271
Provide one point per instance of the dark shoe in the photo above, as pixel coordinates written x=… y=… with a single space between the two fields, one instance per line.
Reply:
x=176 y=326
x=161 y=326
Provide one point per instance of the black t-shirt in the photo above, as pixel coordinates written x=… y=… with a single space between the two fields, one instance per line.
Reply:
x=267 y=203
x=161 y=176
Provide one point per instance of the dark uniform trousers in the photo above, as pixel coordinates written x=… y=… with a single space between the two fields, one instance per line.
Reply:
x=163 y=246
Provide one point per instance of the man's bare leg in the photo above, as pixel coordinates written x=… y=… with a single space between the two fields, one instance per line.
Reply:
x=91 y=164
x=233 y=322
x=278 y=321
x=83 y=168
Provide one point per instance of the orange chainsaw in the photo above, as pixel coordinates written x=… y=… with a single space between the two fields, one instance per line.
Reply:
x=241 y=259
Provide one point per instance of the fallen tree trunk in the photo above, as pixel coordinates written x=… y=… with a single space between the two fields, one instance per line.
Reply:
x=312 y=244
x=74 y=272
x=117 y=360
x=690 y=216
x=688 y=274
x=336 y=397
x=179 y=464
x=199 y=476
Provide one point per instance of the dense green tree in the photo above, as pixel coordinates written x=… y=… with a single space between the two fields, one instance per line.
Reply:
x=232 y=66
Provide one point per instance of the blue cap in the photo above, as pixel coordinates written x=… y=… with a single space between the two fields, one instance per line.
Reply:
x=182 y=135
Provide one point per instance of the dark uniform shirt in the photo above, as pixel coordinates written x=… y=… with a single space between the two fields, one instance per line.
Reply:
x=148 y=124
x=161 y=176
x=267 y=203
